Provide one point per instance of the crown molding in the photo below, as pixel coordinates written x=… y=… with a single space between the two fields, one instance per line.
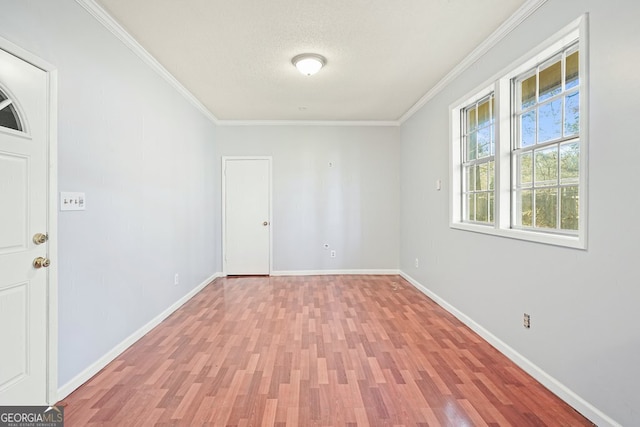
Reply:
x=501 y=32
x=509 y=25
x=383 y=123
x=109 y=23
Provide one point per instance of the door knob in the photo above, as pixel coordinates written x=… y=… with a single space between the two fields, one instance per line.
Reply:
x=265 y=223
x=41 y=262
x=40 y=238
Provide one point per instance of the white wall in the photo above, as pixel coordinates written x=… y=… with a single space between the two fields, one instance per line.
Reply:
x=143 y=156
x=583 y=304
x=353 y=206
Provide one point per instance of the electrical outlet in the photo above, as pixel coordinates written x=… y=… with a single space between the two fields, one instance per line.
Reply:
x=417 y=263
x=176 y=279
x=333 y=254
x=526 y=320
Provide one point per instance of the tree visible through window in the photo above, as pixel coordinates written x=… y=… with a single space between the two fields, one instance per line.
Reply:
x=547 y=147
x=478 y=168
x=519 y=147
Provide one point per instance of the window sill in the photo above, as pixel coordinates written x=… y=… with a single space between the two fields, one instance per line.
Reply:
x=574 y=242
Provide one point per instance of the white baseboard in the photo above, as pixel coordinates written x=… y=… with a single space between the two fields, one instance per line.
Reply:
x=93 y=369
x=334 y=272
x=563 y=392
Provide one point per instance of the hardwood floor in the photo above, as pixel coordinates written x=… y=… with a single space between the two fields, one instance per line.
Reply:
x=322 y=350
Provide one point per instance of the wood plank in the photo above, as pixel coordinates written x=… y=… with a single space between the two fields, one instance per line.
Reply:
x=326 y=350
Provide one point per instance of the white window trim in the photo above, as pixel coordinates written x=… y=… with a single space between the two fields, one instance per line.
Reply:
x=501 y=85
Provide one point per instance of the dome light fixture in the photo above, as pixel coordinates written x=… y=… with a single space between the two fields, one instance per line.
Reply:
x=309 y=63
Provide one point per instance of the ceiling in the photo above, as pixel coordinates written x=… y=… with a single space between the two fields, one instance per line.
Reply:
x=234 y=56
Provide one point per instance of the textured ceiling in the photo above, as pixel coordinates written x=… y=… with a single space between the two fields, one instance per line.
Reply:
x=382 y=55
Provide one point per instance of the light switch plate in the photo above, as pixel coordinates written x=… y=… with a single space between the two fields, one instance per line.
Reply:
x=72 y=201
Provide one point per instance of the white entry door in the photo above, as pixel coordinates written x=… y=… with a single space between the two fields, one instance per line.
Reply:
x=23 y=214
x=247 y=212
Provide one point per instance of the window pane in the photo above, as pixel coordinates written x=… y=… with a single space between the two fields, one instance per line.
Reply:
x=572 y=72
x=569 y=163
x=492 y=208
x=472 y=123
x=9 y=118
x=525 y=168
x=484 y=142
x=572 y=114
x=472 y=146
x=493 y=110
x=569 y=208
x=550 y=125
x=492 y=174
x=482 y=207
x=550 y=81
x=528 y=128
x=528 y=91
x=8 y=115
x=546 y=207
x=546 y=172
x=481 y=177
x=483 y=114
x=526 y=208
x=471 y=207
x=493 y=140
x=469 y=172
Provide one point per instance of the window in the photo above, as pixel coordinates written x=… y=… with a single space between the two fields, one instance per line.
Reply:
x=547 y=144
x=8 y=114
x=478 y=168
x=518 y=149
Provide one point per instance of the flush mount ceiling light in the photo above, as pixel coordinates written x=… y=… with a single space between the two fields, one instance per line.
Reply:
x=309 y=63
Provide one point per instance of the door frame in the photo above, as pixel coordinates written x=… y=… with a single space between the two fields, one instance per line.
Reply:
x=52 y=211
x=224 y=207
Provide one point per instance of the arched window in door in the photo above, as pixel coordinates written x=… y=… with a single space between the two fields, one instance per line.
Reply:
x=9 y=117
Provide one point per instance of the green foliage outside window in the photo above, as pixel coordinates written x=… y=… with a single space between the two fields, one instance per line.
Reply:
x=548 y=153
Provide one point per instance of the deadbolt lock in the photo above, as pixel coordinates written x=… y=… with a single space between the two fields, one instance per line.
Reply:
x=40 y=238
x=41 y=262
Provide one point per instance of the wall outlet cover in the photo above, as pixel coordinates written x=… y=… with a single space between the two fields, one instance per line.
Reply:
x=526 y=321
x=72 y=201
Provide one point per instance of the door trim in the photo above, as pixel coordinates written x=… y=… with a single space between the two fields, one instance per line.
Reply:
x=52 y=210
x=224 y=208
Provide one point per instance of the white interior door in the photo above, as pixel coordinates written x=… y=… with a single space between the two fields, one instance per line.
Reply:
x=23 y=213
x=247 y=211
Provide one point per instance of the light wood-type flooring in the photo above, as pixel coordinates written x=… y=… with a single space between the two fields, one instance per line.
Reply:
x=317 y=350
